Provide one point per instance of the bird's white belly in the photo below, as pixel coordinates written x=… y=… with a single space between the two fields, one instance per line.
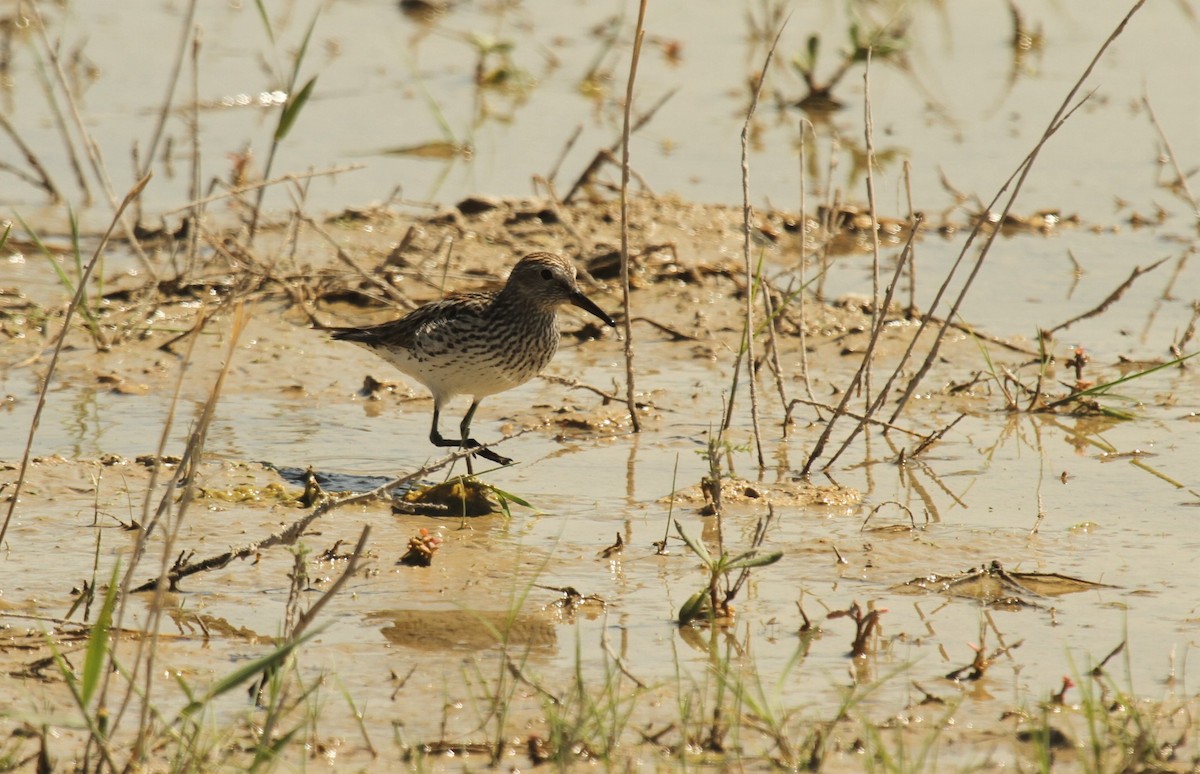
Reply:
x=451 y=374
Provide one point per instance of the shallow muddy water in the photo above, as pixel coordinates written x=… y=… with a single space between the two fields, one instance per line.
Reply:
x=1107 y=501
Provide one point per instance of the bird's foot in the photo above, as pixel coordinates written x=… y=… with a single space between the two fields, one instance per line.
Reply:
x=488 y=454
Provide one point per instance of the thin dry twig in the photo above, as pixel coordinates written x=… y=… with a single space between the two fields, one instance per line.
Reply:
x=639 y=34
x=606 y=154
x=80 y=291
x=292 y=532
x=880 y=311
x=1181 y=178
x=804 y=372
x=186 y=31
x=1112 y=298
x=864 y=367
x=291 y=177
x=43 y=179
x=1064 y=112
x=747 y=223
x=93 y=150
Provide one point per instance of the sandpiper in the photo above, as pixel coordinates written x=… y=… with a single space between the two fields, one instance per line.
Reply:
x=479 y=344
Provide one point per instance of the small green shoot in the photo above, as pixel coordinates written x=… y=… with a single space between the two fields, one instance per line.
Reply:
x=712 y=603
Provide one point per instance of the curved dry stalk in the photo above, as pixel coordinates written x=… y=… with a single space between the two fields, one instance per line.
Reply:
x=93 y=150
x=80 y=291
x=1064 y=112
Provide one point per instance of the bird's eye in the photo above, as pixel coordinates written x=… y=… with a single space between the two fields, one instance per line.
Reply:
x=547 y=275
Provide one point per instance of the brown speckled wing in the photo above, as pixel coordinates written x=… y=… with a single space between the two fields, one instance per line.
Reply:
x=403 y=333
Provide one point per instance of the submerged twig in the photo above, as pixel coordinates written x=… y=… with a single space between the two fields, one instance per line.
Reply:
x=1112 y=298
x=293 y=531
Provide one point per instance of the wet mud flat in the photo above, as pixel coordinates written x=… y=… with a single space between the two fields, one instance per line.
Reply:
x=996 y=580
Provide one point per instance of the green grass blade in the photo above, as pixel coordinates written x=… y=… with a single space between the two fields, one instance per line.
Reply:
x=1101 y=389
x=300 y=54
x=698 y=548
x=63 y=279
x=753 y=559
x=292 y=109
x=97 y=647
x=270 y=661
x=510 y=497
x=262 y=14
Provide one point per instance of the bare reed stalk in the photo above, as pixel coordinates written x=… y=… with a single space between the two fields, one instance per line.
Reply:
x=860 y=374
x=1182 y=179
x=639 y=34
x=912 y=225
x=1064 y=112
x=606 y=154
x=879 y=315
x=886 y=389
x=773 y=346
x=751 y=279
x=187 y=471
x=290 y=177
x=80 y=292
x=804 y=373
x=185 y=31
x=829 y=225
x=43 y=179
x=60 y=124
x=93 y=150
x=195 y=211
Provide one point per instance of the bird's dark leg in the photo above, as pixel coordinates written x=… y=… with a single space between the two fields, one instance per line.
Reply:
x=464 y=429
x=464 y=441
x=436 y=438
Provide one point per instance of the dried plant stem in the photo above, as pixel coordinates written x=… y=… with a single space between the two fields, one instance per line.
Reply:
x=311 y=614
x=879 y=313
x=630 y=393
x=185 y=32
x=195 y=211
x=773 y=346
x=43 y=179
x=747 y=225
x=1112 y=297
x=292 y=532
x=912 y=224
x=60 y=124
x=1181 y=178
x=605 y=154
x=806 y=127
x=860 y=374
x=860 y=417
x=93 y=151
x=147 y=647
x=291 y=177
x=1064 y=112
x=80 y=291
